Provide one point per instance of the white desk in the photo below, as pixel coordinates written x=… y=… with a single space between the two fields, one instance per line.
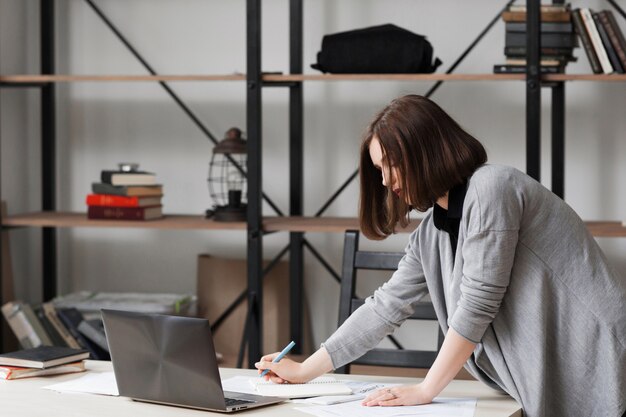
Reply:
x=25 y=398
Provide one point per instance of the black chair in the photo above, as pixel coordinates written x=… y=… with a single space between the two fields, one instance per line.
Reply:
x=353 y=260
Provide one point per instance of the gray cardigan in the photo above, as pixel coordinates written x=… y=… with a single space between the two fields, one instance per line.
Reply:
x=529 y=284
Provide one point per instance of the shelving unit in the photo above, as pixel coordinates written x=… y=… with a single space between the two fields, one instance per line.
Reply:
x=295 y=223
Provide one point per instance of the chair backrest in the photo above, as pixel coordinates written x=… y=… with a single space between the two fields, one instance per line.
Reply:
x=353 y=260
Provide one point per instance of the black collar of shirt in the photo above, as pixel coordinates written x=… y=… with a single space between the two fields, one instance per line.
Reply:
x=445 y=219
x=450 y=220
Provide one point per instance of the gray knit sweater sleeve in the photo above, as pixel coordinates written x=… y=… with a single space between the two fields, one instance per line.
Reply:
x=383 y=312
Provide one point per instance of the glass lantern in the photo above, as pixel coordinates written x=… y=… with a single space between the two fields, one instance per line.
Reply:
x=227 y=178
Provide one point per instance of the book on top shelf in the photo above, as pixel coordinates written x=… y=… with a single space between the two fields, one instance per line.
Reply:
x=585 y=39
x=615 y=34
x=18 y=372
x=124 y=213
x=117 y=177
x=43 y=357
x=606 y=42
x=122 y=201
x=128 y=191
x=594 y=35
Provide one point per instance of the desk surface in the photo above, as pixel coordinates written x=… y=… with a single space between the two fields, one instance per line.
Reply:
x=25 y=398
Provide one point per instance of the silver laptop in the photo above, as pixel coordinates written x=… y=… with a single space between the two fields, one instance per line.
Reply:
x=170 y=360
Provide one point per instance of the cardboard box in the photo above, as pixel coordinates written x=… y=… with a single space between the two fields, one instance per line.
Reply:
x=220 y=282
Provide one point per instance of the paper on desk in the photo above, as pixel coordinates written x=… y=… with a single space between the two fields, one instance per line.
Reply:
x=102 y=383
x=359 y=389
x=238 y=384
x=440 y=407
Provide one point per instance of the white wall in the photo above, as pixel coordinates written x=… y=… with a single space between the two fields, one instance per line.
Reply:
x=100 y=124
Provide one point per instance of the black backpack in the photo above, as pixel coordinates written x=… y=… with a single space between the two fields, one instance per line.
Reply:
x=382 y=49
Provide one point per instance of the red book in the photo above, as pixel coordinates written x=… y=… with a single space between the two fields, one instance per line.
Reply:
x=16 y=372
x=124 y=213
x=121 y=201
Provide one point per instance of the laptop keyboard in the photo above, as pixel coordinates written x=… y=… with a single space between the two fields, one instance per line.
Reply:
x=230 y=402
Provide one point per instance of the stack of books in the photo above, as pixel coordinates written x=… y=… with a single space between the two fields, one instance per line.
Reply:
x=40 y=361
x=47 y=325
x=602 y=40
x=125 y=195
x=558 y=39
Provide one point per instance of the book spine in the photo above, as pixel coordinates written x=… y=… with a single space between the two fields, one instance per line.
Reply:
x=56 y=338
x=101 y=188
x=610 y=51
x=93 y=334
x=547 y=16
x=621 y=42
x=22 y=329
x=612 y=34
x=546 y=27
x=521 y=51
x=51 y=314
x=116 y=213
x=71 y=318
x=548 y=40
x=111 y=200
x=586 y=41
x=106 y=176
x=36 y=325
x=596 y=41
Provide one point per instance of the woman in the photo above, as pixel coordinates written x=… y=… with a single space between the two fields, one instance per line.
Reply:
x=523 y=293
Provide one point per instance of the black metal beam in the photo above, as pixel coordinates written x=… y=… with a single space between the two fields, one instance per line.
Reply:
x=323 y=261
x=337 y=193
x=296 y=176
x=254 y=127
x=558 y=139
x=48 y=148
x=172 y=94
x=533 y=90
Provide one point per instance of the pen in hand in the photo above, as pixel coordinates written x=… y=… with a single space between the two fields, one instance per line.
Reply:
x=280 y=356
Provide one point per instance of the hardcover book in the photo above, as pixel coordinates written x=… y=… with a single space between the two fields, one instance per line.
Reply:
x=72 y=318
x=615 y=33
x=545 y=27
x=548 y=40
x=521 y=69
x=127 y=177
x=606 y=41
x=124 y=213
x=17 y=372
x=594 y=35
x=122 y=201
x=43 y=357
x=586 y=41
x=129 y=191
x=546 y=16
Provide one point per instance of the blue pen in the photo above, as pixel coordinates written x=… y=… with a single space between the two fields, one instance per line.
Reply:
x=280 y=356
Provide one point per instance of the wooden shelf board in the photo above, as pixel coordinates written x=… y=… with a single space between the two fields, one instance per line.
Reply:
x=392 y=77
x=320 y=224
x=270 y=224
x=17 y=79
x=65 y=219
x=584 y=77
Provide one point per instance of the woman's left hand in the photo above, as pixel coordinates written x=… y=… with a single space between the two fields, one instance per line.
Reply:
x=400 y=395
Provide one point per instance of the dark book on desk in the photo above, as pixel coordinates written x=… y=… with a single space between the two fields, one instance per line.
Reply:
x=43 y=357
x=72 y=318
x=521 y=69
x=127 y=190
x=115 y=177
x=608 y=45
x=124 y=213
x=94 y=331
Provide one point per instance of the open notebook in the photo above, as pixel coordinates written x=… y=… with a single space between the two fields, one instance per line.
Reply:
x=323 y=385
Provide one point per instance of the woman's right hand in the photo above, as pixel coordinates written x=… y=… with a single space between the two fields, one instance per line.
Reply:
x=283 y=371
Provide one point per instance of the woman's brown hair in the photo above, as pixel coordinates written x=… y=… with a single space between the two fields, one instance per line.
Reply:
x=431 y=153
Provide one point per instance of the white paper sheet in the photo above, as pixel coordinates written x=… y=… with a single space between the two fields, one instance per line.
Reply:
x=441 y=407
x=359 y=391
x=102 y=383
